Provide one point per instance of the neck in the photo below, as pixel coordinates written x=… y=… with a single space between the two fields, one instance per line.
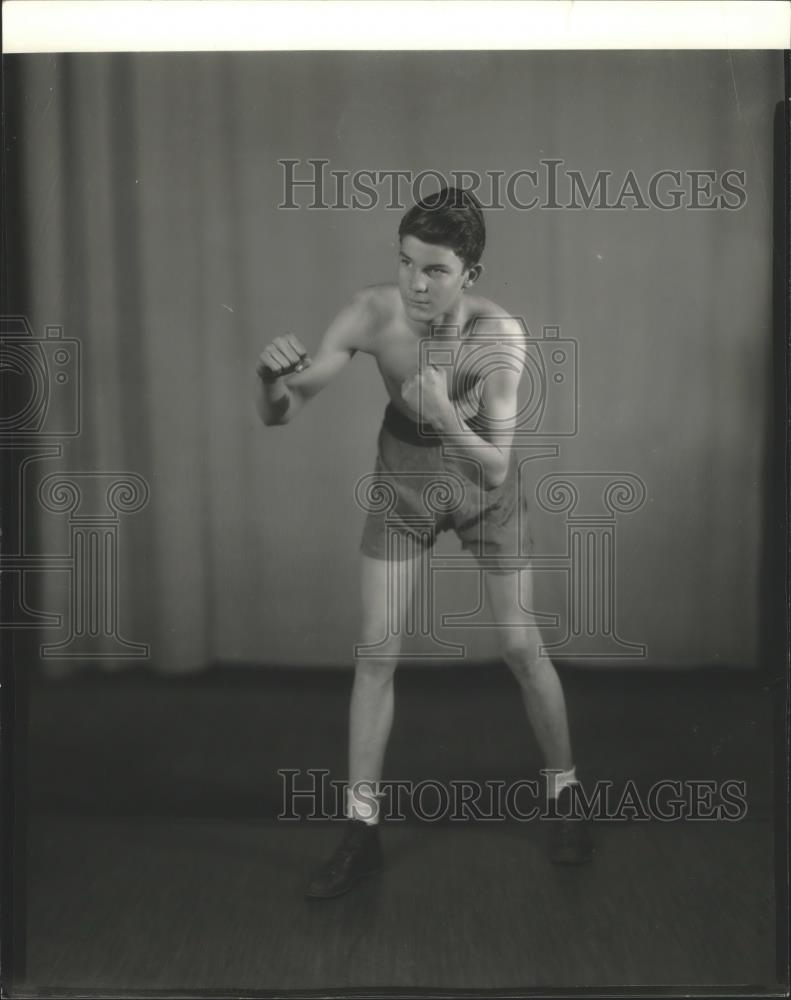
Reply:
x=452 y=317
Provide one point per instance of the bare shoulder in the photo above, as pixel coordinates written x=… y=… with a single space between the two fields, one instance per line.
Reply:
x=380 y=301
x=356 y=322
x=370 y=311
x=488 y=318
x=504 y=335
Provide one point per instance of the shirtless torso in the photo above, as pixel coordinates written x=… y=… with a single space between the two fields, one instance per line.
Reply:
x=375 y=323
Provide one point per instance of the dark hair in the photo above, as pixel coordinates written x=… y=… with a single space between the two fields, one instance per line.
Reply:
x=451 y=218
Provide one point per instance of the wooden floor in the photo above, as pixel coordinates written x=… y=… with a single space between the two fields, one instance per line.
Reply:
x=144 y=869
x=195 y=904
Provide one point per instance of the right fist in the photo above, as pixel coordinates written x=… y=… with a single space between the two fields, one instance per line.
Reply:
x=284 y=356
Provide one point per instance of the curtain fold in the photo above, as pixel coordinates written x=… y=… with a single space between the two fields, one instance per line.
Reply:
x=151 y=186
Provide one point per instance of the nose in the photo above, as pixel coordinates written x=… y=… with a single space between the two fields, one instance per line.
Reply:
x=417 y=283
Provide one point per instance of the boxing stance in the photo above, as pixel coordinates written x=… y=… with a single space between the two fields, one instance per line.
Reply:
x=451 y=424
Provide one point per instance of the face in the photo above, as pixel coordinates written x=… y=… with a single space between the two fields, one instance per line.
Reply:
x=430 y=279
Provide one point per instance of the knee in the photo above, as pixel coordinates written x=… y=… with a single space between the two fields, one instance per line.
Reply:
x=524 y=658
x=371 y=670
x=375 y=662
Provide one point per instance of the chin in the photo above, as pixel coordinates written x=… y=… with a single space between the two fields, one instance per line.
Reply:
x=427 y=313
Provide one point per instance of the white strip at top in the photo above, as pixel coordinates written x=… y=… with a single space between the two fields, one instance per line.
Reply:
x=281 y=25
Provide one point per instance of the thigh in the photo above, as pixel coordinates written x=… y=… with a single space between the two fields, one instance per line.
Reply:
x=387 y=587
x=511 y=595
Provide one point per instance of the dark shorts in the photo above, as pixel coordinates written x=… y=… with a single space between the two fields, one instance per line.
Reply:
x=419 y=488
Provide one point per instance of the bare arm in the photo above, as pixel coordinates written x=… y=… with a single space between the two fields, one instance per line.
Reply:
x=279 y=398
x=499 y=405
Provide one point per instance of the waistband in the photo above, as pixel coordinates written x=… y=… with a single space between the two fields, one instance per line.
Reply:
x=413 y=432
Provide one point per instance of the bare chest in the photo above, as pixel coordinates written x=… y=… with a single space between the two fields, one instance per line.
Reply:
x=399 y=354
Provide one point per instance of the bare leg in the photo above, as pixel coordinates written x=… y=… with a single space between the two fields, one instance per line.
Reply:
x=538 y=680
x=570 y=841
x=386 y=591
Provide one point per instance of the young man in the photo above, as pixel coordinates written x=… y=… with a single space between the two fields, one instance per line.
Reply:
x=439 y=429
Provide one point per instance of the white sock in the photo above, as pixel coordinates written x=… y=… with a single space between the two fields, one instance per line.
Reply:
x=361 y=802
x=558 y=780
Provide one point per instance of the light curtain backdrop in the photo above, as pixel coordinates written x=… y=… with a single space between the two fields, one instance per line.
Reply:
x=152 y=234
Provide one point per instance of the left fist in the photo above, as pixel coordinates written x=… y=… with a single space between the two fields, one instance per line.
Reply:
x=426 y=393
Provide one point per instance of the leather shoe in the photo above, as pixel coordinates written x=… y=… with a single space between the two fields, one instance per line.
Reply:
x=358 y=854
x=570 y=839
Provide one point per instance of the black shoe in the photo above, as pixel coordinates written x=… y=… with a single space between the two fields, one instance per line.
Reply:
x=358 y=854
x=570 y=838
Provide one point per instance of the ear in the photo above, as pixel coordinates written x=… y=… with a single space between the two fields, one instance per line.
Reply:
x=472 y=275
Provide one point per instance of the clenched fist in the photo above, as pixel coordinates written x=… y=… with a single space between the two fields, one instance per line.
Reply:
x=426 y=392
x=284 y=356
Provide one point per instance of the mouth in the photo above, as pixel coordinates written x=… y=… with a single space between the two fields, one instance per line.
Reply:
x=417 y=303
